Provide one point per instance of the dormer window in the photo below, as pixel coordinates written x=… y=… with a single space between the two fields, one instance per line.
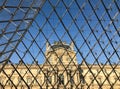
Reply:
x=68 y=59
x=50 y=59
x=21 y=71
x=29 y=80
x=2 y=78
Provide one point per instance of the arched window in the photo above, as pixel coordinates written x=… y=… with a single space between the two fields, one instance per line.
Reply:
x=61 y=79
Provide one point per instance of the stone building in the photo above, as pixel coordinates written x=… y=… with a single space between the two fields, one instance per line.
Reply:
x=60 y=71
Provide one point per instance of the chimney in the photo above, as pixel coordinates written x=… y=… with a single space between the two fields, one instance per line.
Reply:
x=47 y=46
x=72 y=45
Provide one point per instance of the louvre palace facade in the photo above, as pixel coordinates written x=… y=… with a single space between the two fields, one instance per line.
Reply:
x=60 y=71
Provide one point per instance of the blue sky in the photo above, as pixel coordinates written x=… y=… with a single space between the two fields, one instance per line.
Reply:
x=47 y=22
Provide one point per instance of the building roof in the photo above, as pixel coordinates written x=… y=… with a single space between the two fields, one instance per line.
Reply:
x=60 y=45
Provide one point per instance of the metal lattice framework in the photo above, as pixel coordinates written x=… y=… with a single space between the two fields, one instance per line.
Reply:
x=27 y=26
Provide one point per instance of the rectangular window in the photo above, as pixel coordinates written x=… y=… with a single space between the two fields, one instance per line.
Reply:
x=50 y=79
x=78 y=79
x=82 y=79
x=55 y=77
x=61 y=79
